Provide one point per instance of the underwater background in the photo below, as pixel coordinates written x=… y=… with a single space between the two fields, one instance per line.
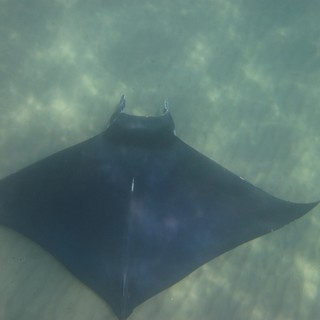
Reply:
x=243 y=83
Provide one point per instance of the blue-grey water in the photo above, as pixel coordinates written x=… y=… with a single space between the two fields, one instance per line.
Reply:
x=243 y=80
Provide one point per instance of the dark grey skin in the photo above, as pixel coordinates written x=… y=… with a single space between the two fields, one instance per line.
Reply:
x=134 y=209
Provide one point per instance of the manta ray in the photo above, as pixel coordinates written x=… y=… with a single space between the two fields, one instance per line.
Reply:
x=134 y=210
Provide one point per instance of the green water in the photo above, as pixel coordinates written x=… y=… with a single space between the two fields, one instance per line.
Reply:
x=243 y=80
